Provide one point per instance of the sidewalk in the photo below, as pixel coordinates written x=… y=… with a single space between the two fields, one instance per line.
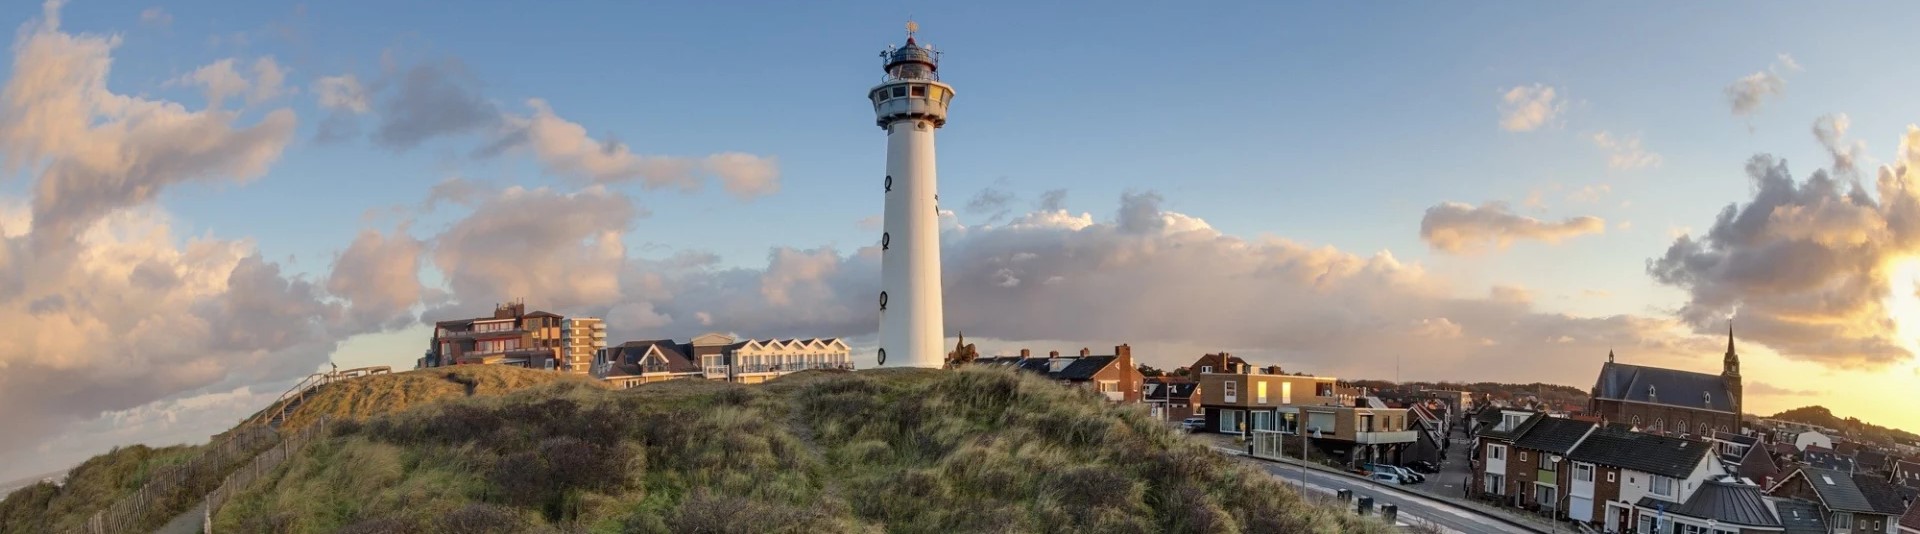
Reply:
x=1523 y=521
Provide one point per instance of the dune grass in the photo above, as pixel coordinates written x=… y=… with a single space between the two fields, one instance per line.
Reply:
x=368 y=396
x=90 y=487
x=977 y=450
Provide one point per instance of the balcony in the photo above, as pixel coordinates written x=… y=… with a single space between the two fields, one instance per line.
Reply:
x=1115 y=396
x=716 y=371
x=1370 y=438
x=1546 y=477
x=789 y=367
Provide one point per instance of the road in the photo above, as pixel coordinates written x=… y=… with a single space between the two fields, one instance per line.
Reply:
x=1413 y=509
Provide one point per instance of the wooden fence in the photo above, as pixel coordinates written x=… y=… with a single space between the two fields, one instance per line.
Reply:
x=244 y=477
x=175 y=487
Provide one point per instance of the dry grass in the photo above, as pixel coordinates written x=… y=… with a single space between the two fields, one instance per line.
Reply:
x=370 y=396
x=90 y=487
x=874 y=451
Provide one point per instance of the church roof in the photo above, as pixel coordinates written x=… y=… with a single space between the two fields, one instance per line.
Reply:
x=1669 y=387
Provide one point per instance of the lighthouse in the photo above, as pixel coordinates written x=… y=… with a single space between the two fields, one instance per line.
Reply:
x=910 y=104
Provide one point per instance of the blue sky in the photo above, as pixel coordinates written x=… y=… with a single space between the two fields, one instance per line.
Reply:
x=1324 y=124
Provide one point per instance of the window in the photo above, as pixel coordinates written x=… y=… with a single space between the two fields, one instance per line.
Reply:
x=1545 y=495
x=1704 y=429
x=1260 y=392
x=919 y=90
x=1496 y=484
x=1206 y=369
x=1323 y=389
x=1636 y=420
x=899 y=92
x=1231 y=389
x=1523 y=456
x=1583 y=472
x=1842 y=521
x=1659 y=423
x=1109 y=386
x=1662 y=486
x=1496 y=452
x=1230 y=421
x=1286 y=393
x=1612 y=477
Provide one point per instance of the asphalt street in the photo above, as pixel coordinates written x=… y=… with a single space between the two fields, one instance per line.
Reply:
x=1414 y=509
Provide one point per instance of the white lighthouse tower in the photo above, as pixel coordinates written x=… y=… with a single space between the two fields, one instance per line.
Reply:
x=910 y=103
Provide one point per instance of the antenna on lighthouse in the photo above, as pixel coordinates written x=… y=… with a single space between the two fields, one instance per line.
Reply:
x=912 y=27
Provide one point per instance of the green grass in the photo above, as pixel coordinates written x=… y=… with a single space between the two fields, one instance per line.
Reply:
x=976 y=450
x=90 y=487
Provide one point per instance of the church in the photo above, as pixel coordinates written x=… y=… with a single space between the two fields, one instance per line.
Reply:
x=1670 y=401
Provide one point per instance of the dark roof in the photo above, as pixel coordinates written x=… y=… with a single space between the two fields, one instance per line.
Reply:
x=1884 y=497
x=1660 y=455
x=1870 y=459
x=1799 y=517
x=541 y=314
x=626 y=356
x=1906 y=473
x=1166 y=391
x=1077 y=368
x=1737 y=504
x=1828 y=460
x=1554 y=434
x=1511 y=434
x=1836 y=490
x=1912 y=519
x=1221 y=363
x=1663 y=386
x=1735 y=438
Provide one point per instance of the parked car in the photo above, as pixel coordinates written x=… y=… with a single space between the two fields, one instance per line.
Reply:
x=1404 y=473
x=1194 y=423
x=1424 y=466
x=1388 y=477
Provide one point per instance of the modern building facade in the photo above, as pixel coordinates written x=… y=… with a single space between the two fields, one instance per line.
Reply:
x=717 y=356
x=1669 y=401
x=584 y=338
x=512 y=336
x=910 y=103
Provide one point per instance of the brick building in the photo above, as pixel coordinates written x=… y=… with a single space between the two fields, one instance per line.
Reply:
x=1668 y=401
x=1114 y=376
x=512 y=336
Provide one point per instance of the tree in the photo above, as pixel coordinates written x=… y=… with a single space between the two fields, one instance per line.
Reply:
x=1148 y=370
x=1182 y=371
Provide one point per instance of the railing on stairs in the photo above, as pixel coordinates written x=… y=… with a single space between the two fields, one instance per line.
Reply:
x=299 y=392
x=261 y=465
x=176 y=486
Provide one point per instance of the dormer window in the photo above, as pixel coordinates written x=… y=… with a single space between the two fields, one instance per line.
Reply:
x=1706 y=398
x=1652 y=396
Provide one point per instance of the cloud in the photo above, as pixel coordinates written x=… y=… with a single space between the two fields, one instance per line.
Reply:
x=1527 y=108
x=1805 y=265
x=1590 y=194
x=1457 y=228
x=561 y=248
x=156 y=17
x=343 y=93
x=1831 y=131
x=432 y=99
x=1053 y=200
x=269 y=80
x=1625 y=153
x=564 y=148
x=218 y=80
x=104 y=310
x=1756 y=387
x=994 y=203
x=1747 y=93
x=379 y=274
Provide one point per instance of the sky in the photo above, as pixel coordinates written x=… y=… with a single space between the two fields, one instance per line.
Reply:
x=204 y=201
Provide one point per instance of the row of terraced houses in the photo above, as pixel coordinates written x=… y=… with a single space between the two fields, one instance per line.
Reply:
x=1665 y=451
x=541 y=340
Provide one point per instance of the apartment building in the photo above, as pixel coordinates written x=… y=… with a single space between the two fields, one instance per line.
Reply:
x=716 y=356
x=1268 y=405
x=511 y=336
x=583 y=340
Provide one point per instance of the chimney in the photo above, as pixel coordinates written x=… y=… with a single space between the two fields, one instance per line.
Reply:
x=1085 y=351
x=1026 y=353
x=1124 y=353
x=1053 y=354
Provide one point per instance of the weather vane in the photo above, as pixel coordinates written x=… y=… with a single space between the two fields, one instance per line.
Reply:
x=912 y=27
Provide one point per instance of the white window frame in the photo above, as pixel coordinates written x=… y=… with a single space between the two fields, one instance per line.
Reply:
x=1842 y=521
x=1206 y=369
x=1523 y=456
x=1496 y=484
x=1653 y=486
x=1582 y=472
x=1496 y=451
x=1230 y=391
x=1612 y=477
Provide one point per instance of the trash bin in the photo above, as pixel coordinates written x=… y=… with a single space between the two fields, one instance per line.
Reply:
x=1366 y=505
x=1345 y=496
x=1389 y=512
